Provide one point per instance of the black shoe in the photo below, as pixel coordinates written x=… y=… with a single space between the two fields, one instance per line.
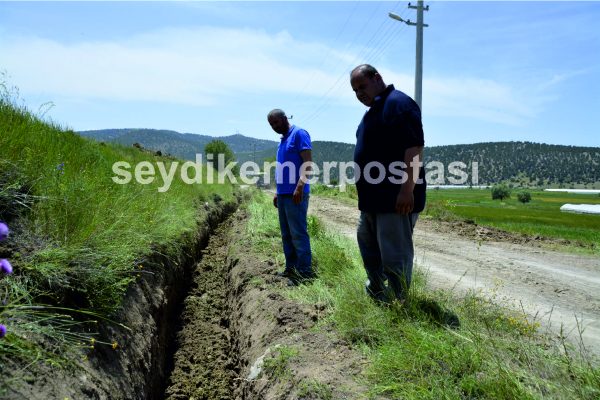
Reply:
x=299 y=279
x=379 y=297
x=285 y=273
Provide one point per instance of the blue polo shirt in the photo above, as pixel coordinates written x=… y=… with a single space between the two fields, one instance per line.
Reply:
x=288 y=155
x=390 y=126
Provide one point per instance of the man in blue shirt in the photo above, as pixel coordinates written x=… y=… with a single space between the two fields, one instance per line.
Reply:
x=389 y=140
x=294 y=158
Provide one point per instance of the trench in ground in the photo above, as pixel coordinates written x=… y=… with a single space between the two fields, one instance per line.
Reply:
x=202 y=362
x=236 y=317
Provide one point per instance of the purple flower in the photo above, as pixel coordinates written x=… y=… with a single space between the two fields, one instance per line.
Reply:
x=3 y=231
x=2 y=330
x=5 y=266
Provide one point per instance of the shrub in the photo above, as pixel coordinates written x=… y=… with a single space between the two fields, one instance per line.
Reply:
x=500 y=191
x=216 y=147
x=524 y=197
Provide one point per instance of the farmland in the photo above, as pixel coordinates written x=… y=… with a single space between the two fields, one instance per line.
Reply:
x=540 y=217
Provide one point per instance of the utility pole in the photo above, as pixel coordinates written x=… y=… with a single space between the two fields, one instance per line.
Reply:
x=419 y=56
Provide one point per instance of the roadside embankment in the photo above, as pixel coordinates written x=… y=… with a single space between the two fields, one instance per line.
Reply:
x=143 y=333
x=242 y=337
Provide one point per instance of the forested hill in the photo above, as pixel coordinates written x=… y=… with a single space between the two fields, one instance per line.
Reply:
x=529 y=163
x=520 y=162
x=182 y=145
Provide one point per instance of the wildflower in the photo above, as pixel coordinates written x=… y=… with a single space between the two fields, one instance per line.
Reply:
x=5 y=266
x=61 y=168
x=3 y=231
x=92 y=341
x=115 y=345
x=2 y=330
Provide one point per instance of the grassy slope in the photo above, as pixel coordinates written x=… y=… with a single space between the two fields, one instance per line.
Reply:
x=77 y=237
x=494 y=355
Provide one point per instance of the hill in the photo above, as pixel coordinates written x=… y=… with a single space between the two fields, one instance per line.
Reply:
x=521 y=163
x=181 y=145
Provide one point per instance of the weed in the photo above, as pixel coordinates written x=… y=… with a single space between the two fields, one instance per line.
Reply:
x=313 y=389
x=277 y=365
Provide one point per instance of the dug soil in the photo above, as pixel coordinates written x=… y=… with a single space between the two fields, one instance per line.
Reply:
x=241 y=338
x=220 y=327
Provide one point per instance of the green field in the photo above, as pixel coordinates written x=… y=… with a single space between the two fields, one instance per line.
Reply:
x=540 y=217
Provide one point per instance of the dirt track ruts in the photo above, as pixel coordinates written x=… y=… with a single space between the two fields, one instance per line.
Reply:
x=558 y=288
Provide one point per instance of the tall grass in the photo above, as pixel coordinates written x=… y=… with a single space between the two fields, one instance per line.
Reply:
x=79 y=239
x=496 y=353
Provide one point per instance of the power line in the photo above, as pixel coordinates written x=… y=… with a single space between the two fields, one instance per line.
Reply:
x=375 y=52
x=311 y=78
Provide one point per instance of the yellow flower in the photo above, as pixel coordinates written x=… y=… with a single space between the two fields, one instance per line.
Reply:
x=115 y=345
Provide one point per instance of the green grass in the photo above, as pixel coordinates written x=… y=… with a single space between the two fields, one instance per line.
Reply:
x=313 y=389
x=496 y=354
x=277 y=365
x=540 y=217
x=348 y=195
x=78 y=239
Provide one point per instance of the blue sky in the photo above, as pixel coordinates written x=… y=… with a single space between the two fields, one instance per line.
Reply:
x=493 y=71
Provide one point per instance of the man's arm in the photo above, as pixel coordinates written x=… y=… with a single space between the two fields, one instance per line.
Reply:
x=305 y=170
x=405 y=202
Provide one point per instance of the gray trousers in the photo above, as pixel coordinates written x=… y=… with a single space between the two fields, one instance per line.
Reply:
x=386 y=246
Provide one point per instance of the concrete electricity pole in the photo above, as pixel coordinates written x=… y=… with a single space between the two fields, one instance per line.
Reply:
x=419 y=56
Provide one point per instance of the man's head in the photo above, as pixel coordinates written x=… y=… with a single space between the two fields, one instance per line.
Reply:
x=366 y=83
x=278 y=121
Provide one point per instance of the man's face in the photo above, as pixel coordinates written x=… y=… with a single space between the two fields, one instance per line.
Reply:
x=366 y=89
x=279 y=124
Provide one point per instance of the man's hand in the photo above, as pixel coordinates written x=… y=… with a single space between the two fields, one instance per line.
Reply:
x=275 y=201
x=405 y=202
x=298 y=193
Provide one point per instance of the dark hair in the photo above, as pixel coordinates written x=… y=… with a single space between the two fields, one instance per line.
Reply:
x=276 y=113
x=365 y=70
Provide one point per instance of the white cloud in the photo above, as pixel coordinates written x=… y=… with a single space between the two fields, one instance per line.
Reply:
x=208 y=65
x=194 y=66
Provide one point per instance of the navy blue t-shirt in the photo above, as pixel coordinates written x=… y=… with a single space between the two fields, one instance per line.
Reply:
x=387 y=130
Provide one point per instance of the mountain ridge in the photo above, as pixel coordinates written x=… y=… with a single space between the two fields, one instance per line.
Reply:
x=522 y=163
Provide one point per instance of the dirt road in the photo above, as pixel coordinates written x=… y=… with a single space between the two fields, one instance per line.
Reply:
x=558 y=288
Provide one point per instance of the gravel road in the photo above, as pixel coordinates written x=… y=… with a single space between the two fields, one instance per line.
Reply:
x=559 y=289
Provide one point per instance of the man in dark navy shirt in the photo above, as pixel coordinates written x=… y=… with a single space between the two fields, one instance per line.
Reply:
x=390 y=183
x=294 y=153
